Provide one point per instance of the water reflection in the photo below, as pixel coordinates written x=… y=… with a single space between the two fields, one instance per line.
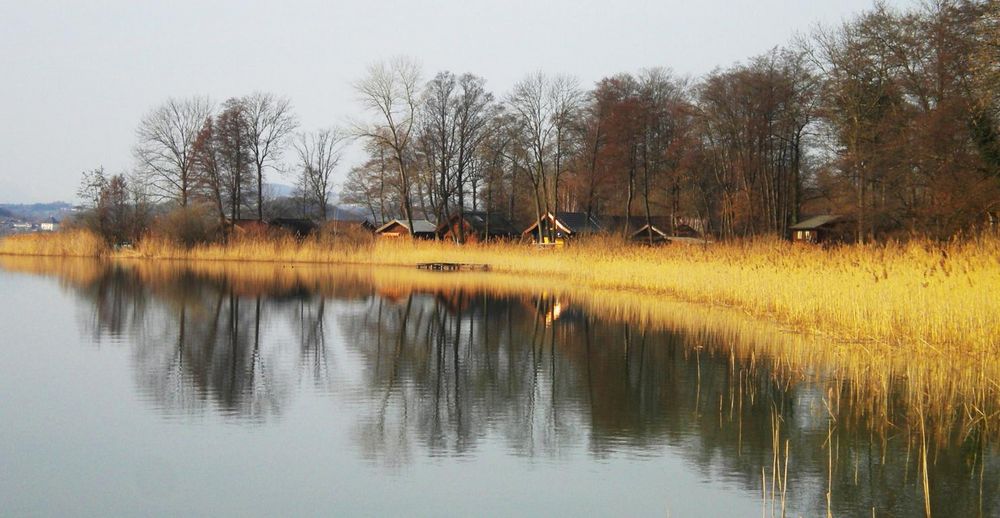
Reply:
x=197 y=343
x=453 y=369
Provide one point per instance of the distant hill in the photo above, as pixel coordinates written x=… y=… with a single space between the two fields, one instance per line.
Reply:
x=37 y=211
x=278 y=190
x=348 y=213
x=4 y=213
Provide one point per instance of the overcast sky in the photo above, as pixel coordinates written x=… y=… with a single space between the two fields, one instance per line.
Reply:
x=75 y=77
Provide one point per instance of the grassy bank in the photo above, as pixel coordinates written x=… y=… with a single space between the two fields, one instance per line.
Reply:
x=920 y=295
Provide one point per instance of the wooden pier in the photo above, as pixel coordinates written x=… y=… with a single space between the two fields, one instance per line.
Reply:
x=454 y=267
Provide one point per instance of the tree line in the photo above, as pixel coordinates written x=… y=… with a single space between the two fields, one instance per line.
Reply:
x=891 y=118
x=212 y=162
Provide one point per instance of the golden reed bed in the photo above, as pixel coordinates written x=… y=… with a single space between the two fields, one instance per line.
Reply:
x=921 y=296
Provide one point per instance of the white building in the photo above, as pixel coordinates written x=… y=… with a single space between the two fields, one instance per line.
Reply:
x=49 y=226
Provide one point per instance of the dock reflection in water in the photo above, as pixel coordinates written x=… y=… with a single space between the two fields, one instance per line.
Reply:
x=459 y=369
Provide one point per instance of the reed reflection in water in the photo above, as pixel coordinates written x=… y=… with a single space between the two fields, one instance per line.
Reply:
x=457 y=370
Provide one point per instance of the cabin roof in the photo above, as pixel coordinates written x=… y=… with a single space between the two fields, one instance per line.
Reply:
x=292 y=221
x=578 y=222
x=498 y=224
x=816 y=222
x=247 y=224
x=641 y=231
x=347 y=223
x=617 y=223
x=574 y=222
x=420 y=226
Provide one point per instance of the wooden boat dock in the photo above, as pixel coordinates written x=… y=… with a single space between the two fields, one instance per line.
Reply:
x=454 y=267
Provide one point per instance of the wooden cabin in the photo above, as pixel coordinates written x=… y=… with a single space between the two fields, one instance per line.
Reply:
x=619 y=225
x=821 y=229
x=297 y=226
x=642 y=235
x=685 y=230
x=247 y=226
x=350 y=225
x=636 y=228
x=397 y=228
x=300 y=227
x=567 y=225
x=478 y=227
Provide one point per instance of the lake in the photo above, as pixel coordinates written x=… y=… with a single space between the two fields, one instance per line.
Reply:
x=139 y=388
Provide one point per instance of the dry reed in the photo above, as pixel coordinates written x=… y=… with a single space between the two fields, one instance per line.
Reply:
x=70 y=243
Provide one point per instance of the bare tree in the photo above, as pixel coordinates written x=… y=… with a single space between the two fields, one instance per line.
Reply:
x=235 y=154
x=319 y=154
x=389 y=90
x=117 y=211
x=565 y=99
x=530 y=103
x=663 y=124
x=208 y=167
x=92 y=183
x=165 y=150
x=362 y=188
x=437 y=140
x=270 y=122
x=473 y=112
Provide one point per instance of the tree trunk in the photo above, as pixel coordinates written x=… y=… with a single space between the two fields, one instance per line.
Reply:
x=260 y=192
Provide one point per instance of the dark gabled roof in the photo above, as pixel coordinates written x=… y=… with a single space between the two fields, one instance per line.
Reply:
x=574 y=222
x=578 y=222
x=616 y=224
x=642 y=230
x=248 y=224
x=351 y=223
x=684 y=230
x=420 y=226
x=498 y=224
x=816 y=222
x=293 y=221
x=299 y=226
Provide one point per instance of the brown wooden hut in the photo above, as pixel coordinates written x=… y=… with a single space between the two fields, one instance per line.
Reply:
x=821 y=229
x=300 y=227
x=350 y=225
x=620 y=224
x=642 y=235
x=247 y=226
x=567 y=225
x=685 y=230
x=636 y=228
x=396 y=228
x=478 y=227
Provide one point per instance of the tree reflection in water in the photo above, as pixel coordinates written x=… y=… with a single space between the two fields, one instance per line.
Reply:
x=444 y=370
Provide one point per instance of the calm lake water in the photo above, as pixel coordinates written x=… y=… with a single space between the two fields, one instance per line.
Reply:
x=139 y=389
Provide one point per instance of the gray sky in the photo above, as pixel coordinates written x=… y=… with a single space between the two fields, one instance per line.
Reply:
x=77 y=76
